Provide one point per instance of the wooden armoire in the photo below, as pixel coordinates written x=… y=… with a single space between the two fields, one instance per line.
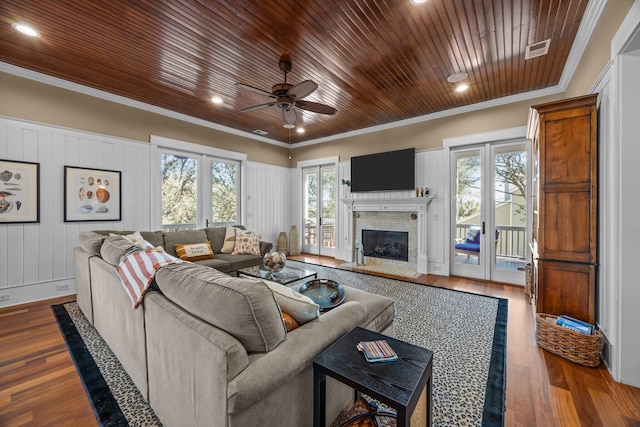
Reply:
x=564 y=235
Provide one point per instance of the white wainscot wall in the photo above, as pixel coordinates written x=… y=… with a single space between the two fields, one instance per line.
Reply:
x=36 y=260
x=268 y=201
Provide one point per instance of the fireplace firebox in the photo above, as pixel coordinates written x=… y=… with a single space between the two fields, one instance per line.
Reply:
x=386 y=244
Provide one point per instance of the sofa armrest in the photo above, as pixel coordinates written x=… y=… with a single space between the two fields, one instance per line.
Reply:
x=265 y=247
x=268 y=371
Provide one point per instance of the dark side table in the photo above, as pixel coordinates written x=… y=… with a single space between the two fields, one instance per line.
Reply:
x=400 y=384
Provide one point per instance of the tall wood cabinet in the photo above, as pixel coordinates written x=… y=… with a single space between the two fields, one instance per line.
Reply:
x=564 y=235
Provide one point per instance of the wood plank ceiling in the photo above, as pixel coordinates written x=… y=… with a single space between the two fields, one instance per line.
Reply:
x=375 y=61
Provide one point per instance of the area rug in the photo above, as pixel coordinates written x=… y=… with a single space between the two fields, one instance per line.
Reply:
x=466 y=332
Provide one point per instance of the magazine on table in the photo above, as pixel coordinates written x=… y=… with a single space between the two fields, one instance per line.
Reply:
x=377 y=351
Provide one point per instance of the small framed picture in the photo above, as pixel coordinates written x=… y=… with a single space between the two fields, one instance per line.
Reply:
x=92 y=195
x=19 y=192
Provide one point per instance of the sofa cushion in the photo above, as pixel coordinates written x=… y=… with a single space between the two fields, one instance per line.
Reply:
x=137 y=239
x=247 y=243
x=194 y=251
x=156 y=238
x=216 y=262
x=183 y=237
x=91 y=242
x=237 y=262
x=292 y=302
x=244 y=308
x=115 y=247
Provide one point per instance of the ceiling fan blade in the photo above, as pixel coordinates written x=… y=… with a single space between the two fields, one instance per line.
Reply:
x=255 y=89
x=257 y=107
x=302 y=89
x=315 y=107
x=290 y=116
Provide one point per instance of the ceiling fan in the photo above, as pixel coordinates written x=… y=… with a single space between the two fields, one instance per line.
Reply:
x=287 y=96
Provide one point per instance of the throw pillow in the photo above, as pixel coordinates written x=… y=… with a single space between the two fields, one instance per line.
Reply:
x=472 y=235
x=194 y=251
x=289 y=322
x=300 y=307
x=247 y=243
x=229 y=240
x=137 y=239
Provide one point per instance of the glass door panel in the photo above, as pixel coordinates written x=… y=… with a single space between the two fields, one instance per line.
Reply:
x=468 y=244
x=319 y=185
x=509 y=212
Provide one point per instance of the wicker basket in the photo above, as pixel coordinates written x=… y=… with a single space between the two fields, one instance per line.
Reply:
x=574 y=346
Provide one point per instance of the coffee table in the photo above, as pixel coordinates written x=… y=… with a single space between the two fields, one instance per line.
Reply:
x=404 y=384
x=286 y=276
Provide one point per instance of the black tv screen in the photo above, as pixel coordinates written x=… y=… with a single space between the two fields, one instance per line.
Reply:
x=389 y=171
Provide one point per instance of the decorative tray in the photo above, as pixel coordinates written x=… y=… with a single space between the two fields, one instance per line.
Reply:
x=324 y=292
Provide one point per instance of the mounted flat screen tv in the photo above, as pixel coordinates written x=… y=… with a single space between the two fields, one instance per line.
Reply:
x=389 y=171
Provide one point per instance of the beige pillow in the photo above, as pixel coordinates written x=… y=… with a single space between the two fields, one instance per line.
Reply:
x=137 y=239
x=300 y=307
x=229 y=240
x=194 y=251
x=247 y=243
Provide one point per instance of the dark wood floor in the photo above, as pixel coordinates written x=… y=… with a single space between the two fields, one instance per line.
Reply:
x=39 y=385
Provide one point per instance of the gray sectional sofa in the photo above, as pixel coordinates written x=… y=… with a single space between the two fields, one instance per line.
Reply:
x=210 y=349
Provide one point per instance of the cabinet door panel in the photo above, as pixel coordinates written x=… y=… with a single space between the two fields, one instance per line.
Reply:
x=566 y=288
x=567 y=227
x=567 y=154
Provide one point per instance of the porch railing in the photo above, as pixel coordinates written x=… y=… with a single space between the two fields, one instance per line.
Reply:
x=511 y=243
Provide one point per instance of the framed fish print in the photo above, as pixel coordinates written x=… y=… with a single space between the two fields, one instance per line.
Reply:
x=92 y=194
x=19 y=192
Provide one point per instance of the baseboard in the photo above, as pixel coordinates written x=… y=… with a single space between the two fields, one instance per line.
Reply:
x=37 y=291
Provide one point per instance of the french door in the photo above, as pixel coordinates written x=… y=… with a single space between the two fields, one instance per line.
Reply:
x=489 y=188
x=199 y=191
x=319 y=187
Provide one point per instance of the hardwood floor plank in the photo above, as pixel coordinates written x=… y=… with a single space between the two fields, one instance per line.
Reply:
x=39 y=385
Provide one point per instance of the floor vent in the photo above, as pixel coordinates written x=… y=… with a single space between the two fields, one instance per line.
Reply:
x=537 y=49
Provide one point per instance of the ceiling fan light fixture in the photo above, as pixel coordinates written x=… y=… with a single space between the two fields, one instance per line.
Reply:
x=25 y=29
x=457 y=77
x=288 y=126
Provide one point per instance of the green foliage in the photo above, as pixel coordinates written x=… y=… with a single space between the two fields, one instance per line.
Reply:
x=223 y=192
x=179 y=191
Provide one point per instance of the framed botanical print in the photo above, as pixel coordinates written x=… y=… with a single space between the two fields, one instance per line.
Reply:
x=19 y=192
x=92 y=194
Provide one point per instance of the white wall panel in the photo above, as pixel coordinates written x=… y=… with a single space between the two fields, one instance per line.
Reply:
x=34 y=258
x=268 y=200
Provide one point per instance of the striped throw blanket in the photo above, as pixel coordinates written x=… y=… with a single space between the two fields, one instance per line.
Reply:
x=136 y=271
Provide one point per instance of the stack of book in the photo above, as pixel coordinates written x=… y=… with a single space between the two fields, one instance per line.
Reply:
x=377 y=351
x=575 y=325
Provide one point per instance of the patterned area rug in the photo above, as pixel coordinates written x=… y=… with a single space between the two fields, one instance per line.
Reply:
x=466 y=332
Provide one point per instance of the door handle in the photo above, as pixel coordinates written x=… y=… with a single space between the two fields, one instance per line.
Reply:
x=483 y=228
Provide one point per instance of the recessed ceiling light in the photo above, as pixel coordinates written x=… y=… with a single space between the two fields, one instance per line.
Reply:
x=462 y=87
x=216 y=100
x=26 y=30
x=418 y=1
x=300 y=130
x=457 y=77
x=288 y=126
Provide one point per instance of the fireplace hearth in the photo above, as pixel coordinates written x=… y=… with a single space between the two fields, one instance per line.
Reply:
x=393 y=245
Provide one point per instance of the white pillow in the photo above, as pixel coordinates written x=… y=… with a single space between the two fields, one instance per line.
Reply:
x=229 y=240
x=292 y=302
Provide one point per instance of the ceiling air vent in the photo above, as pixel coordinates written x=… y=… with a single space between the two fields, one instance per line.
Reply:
x=261 y=132
x=537 y=49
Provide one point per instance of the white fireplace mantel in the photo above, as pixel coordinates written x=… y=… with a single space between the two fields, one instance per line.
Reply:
x=391 y=205
x=412 y=204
